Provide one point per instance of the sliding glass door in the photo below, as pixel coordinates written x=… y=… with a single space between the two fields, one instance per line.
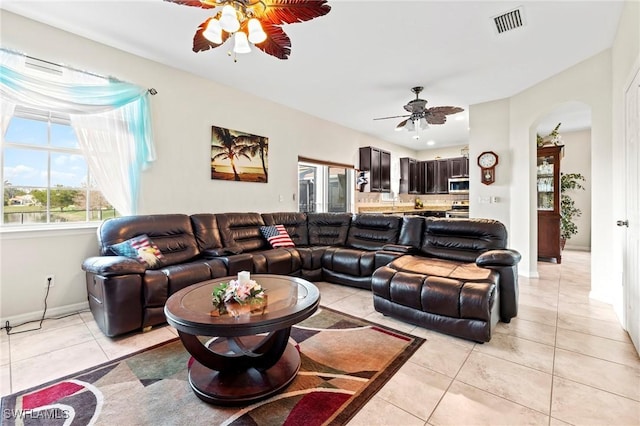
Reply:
x=324 y=188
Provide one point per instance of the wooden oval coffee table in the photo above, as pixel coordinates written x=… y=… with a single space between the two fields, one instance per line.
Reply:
x=250 y=358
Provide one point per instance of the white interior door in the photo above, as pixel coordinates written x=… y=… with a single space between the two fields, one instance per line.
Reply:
x=632 y=221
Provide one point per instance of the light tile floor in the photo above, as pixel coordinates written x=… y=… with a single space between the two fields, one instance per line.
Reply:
x=563 y=360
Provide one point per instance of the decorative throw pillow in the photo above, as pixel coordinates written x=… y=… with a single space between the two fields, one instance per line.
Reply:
x=277 y=236
x=140 y=248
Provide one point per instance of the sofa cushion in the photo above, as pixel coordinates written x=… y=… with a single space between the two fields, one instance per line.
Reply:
x=242 y=230
x=328 y=229
x=372 y=232
x=205 y=229
x=294 y=223
x=280 y=261
x=411 y=231
x=468 y=272
x=140 y=248
x=277 y=236
x=462 y=240
x=172 y=233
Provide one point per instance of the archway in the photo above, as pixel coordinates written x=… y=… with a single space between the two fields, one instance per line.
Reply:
x=574 y=120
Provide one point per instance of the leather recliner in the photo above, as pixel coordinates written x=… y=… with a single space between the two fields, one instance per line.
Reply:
x=460 y=282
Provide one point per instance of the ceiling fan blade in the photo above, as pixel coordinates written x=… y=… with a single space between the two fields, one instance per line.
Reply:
x=437 y=118
x=277 y=44
x=395 y=116
x=194 y=3
x=280 y=12
x=402 y=124
x=447 y=110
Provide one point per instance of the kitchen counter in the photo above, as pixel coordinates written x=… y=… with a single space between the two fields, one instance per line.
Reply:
x=404 y=209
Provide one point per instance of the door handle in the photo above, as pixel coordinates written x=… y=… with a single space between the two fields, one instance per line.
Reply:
x=623 y=223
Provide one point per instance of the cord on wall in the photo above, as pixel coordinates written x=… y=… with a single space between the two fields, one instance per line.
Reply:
x=9 y=327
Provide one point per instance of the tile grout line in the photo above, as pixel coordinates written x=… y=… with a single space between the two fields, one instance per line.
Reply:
x=555 y=345
x=435 y=407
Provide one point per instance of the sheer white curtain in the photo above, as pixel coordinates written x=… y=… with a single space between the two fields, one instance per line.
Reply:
x=111 y=120
x=7 y=107
x=109 y=145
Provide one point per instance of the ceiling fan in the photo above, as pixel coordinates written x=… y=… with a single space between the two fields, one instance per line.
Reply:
x=421 y=117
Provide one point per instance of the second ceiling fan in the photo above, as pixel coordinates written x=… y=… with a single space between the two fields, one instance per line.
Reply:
x=421 y=117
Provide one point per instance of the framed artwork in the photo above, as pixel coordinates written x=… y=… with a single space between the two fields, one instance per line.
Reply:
x=238 y=156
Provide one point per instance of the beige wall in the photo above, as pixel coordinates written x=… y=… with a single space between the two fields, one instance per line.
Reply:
x=577 y=159
x=625 y=55
x=489 y=131
x=599 y=82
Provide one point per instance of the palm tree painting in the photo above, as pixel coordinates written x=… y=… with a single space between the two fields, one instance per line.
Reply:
x=238 y=156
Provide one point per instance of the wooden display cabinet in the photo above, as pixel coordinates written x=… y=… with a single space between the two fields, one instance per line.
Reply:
x=548 y=196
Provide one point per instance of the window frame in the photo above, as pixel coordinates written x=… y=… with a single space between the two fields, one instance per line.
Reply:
x=50 y=118
x=322 y=184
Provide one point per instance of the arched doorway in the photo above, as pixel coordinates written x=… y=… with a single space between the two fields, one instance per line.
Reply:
x=573 y=123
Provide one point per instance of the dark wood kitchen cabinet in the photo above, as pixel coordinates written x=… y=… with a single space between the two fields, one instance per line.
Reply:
x=459 y=167
x=409 y=176
x=378 y=163
x=435 y=176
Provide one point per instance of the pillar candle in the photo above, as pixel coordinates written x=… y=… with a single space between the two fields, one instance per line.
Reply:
x=243 y=277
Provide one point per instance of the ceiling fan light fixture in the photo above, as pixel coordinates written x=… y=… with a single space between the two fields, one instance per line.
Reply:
x=213 y=33
x=229 y=19
x=410 y=126
x=256 y=33
x=420 y=117
x=241 y=43
x=261 y=22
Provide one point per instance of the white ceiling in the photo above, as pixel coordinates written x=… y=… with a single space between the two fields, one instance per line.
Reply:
x=360 y=61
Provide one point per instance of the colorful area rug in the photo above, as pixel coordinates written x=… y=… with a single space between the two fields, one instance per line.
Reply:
x=345 y=361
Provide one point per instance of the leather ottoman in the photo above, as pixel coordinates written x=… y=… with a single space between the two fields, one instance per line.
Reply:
x=456 y=298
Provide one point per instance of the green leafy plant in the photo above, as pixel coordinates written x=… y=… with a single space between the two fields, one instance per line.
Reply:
x=568 y=209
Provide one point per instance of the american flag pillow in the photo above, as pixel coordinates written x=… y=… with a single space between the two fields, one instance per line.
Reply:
x=142 y=249
x=277 y=236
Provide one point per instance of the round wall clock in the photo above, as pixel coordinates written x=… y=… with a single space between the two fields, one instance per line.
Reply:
x=487 y=162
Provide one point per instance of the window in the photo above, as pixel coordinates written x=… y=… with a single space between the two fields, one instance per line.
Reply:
x=325 y=187
x=45 y=175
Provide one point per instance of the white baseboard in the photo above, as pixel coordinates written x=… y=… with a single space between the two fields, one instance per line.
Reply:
x=51 y=313
x=577 y=248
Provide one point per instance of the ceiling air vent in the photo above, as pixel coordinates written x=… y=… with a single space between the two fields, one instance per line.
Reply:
x=509 y=21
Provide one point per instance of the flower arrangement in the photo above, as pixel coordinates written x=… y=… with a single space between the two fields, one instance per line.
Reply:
x=243 y=291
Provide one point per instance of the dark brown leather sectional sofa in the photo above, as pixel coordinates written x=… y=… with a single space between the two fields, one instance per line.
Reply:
x=451 y=275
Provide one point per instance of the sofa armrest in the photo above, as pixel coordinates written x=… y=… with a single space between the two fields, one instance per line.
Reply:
x=498 y=258
x=113 y=265
x=399 y=248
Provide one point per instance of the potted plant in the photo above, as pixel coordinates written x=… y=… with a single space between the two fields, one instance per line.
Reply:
x=568 y=209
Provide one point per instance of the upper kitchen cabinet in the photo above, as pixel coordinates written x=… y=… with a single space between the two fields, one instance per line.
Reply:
x=378 y=163
x=459 y=167
x=409 y=176
x=435 y=175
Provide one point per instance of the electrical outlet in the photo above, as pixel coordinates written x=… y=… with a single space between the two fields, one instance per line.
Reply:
x=49 y=278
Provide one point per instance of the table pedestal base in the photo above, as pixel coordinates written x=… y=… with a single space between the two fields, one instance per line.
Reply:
x=243 y=387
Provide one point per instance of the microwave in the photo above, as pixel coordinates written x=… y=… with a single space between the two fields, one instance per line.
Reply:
x=459 y=185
